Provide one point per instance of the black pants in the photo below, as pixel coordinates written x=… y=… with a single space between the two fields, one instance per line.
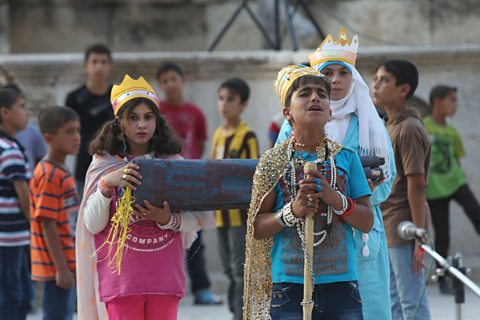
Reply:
x=196 y=265
x=231 y=246
x=440 y=211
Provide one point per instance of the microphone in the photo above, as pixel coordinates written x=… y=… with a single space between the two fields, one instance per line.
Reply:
x=408 y=231
x=371 y=167
x=372 y=161
x=373 y=174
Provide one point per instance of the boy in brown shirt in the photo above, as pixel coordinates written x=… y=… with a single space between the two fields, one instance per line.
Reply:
x=394 y=82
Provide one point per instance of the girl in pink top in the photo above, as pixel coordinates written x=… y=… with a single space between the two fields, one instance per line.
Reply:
x=152 y=279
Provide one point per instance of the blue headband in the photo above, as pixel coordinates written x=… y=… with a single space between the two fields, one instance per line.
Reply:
x=343 y=64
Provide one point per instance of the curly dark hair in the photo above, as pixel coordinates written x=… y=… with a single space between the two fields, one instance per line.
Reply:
x=110 y=138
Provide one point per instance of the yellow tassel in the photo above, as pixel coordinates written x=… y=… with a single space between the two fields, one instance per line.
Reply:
x=119 y=230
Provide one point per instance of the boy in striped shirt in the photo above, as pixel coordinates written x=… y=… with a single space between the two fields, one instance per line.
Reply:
x=14 y=229
x=234 y=139
x=53 y=200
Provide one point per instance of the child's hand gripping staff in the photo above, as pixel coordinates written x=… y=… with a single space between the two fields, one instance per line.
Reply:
x=308 y=281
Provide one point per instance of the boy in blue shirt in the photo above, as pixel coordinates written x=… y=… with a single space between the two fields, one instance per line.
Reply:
x=336 y=193
x=356 y=124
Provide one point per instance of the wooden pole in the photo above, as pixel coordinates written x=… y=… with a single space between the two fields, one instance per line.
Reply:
x=307 y=275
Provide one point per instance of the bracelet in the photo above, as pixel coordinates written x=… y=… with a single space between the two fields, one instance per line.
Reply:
x=287 y=215
x=351 y=208
x=104 y=189
x=104 y=184
x=279 y=218
x=344 y=205
x=172 y=224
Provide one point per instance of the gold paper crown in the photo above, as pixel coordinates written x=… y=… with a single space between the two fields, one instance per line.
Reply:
x=129 y=89
x=341 y=50
x=288 y=75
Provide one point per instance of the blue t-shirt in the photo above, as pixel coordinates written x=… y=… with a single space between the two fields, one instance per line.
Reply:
x=335 y=258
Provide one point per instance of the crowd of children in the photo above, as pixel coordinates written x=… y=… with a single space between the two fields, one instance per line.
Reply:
x=330 y=119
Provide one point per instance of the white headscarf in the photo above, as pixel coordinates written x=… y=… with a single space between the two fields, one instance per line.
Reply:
x=373 y=138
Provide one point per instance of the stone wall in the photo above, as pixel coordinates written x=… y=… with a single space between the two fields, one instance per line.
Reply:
x=4 y=28
x=47 y=79
x=191 y=25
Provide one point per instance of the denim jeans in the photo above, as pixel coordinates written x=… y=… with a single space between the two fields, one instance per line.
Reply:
x=14 y=283
x=332 y=301
x=58 y=303
x=406 y=288
x=28 y=285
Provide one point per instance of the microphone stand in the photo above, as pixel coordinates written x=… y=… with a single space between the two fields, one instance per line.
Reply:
x=456 y=269
x=458 y=285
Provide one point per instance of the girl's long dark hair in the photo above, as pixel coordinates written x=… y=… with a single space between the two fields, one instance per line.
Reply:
x=110 y=138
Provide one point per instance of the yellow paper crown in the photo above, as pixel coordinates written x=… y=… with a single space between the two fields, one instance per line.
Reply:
x=288 y=75
x=130 y=89
x=342 y=50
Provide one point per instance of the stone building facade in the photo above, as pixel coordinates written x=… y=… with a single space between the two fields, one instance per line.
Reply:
x=33 y=26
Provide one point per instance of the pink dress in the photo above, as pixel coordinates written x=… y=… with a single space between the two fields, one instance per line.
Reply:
x=153 y=262
x=155 y=259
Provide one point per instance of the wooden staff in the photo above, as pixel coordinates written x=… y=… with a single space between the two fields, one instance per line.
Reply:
x=307 y=275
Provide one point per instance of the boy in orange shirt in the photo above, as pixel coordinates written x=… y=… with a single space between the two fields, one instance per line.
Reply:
x=53 y=199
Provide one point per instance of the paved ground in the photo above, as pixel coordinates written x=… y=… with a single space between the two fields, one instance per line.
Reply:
x=442 y=307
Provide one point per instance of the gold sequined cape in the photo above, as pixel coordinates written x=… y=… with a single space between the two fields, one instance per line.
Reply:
x=257 y=271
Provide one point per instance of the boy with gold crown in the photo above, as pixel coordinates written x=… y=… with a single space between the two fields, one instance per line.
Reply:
x=335 y=192
x=148 y=280
x=355 y=123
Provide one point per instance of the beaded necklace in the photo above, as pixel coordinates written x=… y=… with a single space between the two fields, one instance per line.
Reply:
x=295 y=162
x=290 y=174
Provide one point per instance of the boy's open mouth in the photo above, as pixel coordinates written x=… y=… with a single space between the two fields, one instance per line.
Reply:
x=315 y=108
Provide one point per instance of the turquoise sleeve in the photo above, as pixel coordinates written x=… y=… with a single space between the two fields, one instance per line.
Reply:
x=285 y=132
